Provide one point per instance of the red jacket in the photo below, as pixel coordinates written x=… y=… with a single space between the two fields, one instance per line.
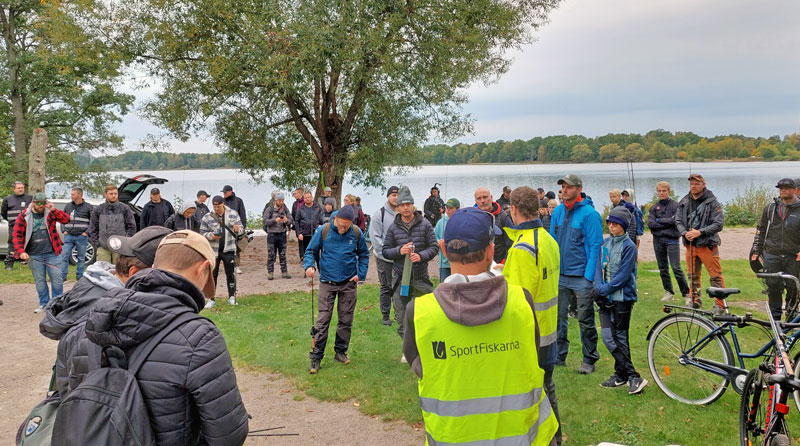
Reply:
x=21 y=236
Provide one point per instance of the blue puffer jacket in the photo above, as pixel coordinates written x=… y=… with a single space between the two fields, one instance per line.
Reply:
x=615 y=275
x=340 y=256
x=579 y=233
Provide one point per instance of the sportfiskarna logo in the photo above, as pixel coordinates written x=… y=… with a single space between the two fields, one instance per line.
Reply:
x=439 y=350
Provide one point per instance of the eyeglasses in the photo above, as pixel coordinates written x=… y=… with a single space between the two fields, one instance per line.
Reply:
x=40 y=203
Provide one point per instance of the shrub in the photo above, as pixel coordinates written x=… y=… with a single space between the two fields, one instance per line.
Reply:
x=745 y=208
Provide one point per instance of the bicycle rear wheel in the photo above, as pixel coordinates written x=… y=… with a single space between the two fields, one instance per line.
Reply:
x=753 y=409
x=675 y=371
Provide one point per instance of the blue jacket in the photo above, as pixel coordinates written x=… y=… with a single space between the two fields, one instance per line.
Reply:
x=620 y=285
x=579 y=233
x=340 y=257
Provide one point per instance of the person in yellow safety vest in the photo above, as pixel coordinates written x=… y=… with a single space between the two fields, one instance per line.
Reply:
x=473 y=343
x=532 y=263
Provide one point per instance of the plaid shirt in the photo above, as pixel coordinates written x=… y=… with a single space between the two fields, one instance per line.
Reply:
x=21 y=236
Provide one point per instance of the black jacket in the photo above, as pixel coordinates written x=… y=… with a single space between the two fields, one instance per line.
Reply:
x=177 y=222
x=156 y=214
x=662 y=219
x=778 y=229
x=433 y=209
x=502 y=219
x=13 y=205
x=237 y=205
x=200 y=210
x=111 y=219
x=420 y=232
x=706 y=216
x=308 y=218
x=188 y=382
x=79 y=217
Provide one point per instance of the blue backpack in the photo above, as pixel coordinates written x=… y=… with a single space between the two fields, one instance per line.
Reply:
x=639 y=220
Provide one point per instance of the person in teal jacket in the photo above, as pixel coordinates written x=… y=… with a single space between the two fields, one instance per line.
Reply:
x=578 y=229
x=451 y=207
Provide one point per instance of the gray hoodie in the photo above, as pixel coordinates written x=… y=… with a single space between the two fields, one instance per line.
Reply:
x=378 y=227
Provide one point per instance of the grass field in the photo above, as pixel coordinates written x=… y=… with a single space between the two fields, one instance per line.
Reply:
x=22 y=274
x=272 y=333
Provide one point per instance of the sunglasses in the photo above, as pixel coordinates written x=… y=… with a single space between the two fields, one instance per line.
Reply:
x=40 y=203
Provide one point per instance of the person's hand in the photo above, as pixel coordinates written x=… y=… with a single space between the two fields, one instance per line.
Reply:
x=300 y=237
x=85 y=234
x=24 y=256
x=236 y=228
x=407 y=248
x=693 y=234
x=49 y=206
x=798 y=257
x=215 y=237
x=754 y=257
x=354 y=278
x=310 y=272
x=67 y=233
x=415 y=257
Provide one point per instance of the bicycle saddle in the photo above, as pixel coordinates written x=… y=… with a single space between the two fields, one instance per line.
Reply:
x=721 y=293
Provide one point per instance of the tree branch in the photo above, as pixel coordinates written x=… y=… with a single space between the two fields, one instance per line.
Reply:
x=298 y=122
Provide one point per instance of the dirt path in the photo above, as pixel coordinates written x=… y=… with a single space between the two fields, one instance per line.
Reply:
x=27 y=358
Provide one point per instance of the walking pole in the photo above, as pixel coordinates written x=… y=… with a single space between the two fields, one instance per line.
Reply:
x=313 y=325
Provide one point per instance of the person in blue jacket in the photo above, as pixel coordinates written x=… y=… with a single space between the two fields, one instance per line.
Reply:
x=615 y=294
x=578 y=229
x=339 y=250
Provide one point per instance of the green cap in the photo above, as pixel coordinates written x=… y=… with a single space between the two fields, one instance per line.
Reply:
x=40 y=196
x=453 y=203
x=571 y=180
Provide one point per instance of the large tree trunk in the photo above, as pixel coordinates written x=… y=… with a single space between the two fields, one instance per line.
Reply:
x=17 y=101
x=333 y=175
x=36 y=174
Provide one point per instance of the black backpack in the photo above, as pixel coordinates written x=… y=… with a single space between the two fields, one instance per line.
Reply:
x=107 y=407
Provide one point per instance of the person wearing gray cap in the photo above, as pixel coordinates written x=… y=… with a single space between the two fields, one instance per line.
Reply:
x=327 y=192
x=777 y=242
x=378 y=227
x=277 y=221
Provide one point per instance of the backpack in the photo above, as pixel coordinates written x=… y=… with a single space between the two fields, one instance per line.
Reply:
x=639 y=221
x=327 y=228
x=37 y=429
x=107 y=407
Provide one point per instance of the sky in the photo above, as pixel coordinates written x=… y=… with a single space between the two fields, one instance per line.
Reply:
x=629 y=66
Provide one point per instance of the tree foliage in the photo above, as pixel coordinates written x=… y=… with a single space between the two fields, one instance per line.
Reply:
x=297 y=88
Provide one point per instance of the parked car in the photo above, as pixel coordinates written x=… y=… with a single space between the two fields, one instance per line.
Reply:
x=129 y=193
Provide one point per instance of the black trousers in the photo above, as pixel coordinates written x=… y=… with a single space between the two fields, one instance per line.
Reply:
x=228 y=260
x=9 y=260
x=303 y=244
x=328 y=292
x=614 y=324
x=276 y=243
x=788 y=264
x=385 y=276
x=669 y=255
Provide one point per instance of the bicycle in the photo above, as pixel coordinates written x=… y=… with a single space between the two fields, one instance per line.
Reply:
x=690 y=357
x=763 y=405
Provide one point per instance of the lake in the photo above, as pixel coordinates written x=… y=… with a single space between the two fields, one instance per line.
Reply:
x=722 y=178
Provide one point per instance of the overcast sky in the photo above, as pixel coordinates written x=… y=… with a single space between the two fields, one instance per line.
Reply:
x=605 y=66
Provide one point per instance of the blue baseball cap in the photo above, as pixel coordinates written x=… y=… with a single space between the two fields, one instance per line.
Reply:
x=473 y=226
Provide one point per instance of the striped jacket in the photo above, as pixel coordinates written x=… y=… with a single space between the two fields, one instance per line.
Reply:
x=79 y=217
x=209 y=226
x=23 y=229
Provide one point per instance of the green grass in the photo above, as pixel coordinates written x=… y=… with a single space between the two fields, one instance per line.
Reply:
x=272 y=333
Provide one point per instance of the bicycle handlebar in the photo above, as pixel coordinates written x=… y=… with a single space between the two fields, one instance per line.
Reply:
x=749 y=319
x=780 y=275
x=783 y=380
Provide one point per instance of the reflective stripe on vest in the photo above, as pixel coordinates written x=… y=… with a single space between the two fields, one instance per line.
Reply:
x=482 y=385
x=541 y=254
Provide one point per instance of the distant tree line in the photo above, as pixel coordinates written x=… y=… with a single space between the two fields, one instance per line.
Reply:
x=655 y=145
x=140 y=160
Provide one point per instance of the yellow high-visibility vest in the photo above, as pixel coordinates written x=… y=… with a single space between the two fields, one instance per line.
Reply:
x=482 y=383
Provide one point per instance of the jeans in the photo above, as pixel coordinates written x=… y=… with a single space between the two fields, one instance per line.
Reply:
x=585 y=320
x=80 y=242
x=328 y=292
x=43 y=265
x=668 y=253
x=228 y=260
x=443 y=274
x=614 y=324
x=788 y=264
x=385 y=276
x=276 y=241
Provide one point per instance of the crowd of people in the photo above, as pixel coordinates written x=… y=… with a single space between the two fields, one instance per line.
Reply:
x=511 y=273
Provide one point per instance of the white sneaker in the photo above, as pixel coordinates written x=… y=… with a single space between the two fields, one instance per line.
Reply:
x=209 y=304
x=39 y=309
x=232 y=300
x=667 y=297
x=239 y=270
x=403 y=359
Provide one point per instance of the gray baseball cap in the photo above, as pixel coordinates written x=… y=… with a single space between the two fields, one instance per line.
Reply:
x=571 y=180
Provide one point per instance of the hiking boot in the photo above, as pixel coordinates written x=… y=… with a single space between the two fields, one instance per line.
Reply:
x=232 y=300
x=668 y=297
x=209 y=304
x=270 y=276
x=635 y=385
x=697 y=304
x=286 y=275
x=314 y=368
x=403 y=359
x=387 y=321
x=38 y=309
x=613 y=381
x=341 y=357
x=586 y=369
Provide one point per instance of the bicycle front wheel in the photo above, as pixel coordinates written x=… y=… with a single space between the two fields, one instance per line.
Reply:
x=753 y=409
x=678 y=345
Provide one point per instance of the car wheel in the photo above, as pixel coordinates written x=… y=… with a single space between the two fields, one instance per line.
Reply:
x=91 y=255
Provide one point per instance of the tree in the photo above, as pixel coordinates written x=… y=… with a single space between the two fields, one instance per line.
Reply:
x=297 y=88
x=609 y=153
x=581 y=153
x=634 y=152
x=56 y=74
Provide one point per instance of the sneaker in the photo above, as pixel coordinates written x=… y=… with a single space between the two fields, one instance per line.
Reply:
x=286 y=275
x=232 y=300
x=342 y=357
x=387 y=321
x=209 y=304
x=9 y=268
x=270 y=276
x=314 y=368
x=635 y=385
x=239 y=270
x=586 y=369
x=403 y=359
x=668 y=297
x=687 y=300
x=39 y=309
x=613 y=381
